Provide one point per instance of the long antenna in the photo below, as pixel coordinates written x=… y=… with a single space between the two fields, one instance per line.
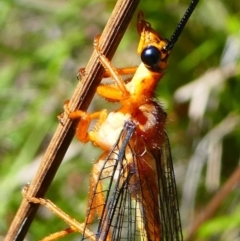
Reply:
x=181 y=25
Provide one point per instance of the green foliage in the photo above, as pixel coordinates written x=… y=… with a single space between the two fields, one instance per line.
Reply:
x=42 y=46
x=225 y=227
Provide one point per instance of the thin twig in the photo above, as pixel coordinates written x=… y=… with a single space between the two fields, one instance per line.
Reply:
x=214 y=204
x=81 y=98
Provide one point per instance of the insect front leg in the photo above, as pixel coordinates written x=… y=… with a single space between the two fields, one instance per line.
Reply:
x=116 y=92
x=111 y=92
x=120 y=71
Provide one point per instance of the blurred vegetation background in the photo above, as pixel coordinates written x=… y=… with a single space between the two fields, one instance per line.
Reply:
x=42 y=46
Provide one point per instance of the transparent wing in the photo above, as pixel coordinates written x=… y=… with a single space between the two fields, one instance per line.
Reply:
x=169 y=207
x=140 y=193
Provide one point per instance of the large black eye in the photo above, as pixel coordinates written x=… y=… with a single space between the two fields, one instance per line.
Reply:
x=151 y=57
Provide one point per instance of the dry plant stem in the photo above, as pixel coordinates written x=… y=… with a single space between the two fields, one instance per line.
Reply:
x=81 y=98
x=214 y=204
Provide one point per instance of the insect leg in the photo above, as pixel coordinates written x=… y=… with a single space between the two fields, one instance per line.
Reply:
x=112 y=92
x=110 y=69
x=120 y=71
x=84 y=121
x=74 y=225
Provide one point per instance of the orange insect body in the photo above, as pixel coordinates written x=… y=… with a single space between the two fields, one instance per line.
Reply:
x=137 y=100
x=138 y=106
x=132 y=188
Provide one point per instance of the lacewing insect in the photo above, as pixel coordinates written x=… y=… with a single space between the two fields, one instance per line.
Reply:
x=132 y=191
